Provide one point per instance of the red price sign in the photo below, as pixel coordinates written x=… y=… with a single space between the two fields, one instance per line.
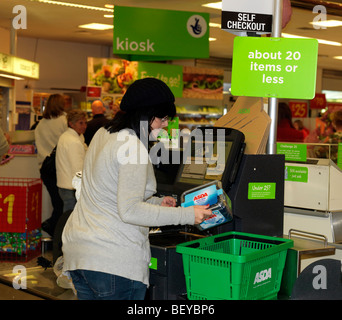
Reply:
x=299 y=109
x=20 y=208
x=12 y=209
x=319 y=101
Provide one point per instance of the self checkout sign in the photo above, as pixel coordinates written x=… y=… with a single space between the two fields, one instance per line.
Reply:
x=244 y=16
x=274 y=67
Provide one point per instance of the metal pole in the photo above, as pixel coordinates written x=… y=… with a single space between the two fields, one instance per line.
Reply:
x=273 y=102
x=11 y=108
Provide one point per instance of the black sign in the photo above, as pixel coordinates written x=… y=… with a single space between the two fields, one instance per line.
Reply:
x=246 y=21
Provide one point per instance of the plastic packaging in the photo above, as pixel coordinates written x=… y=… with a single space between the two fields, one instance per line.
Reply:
x=212 y=194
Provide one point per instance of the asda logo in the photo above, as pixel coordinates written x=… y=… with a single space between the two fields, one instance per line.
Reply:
x=201 y=197
x=263 y=275
x=127 y=45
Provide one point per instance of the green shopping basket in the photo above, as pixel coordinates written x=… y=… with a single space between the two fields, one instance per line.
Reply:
x=234 y=266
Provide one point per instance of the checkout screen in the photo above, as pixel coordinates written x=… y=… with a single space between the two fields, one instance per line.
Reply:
x=206 y=162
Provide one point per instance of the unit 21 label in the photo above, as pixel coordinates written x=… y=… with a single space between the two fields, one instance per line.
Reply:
x=274 y=67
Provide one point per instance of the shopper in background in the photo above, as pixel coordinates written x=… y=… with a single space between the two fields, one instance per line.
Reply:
x=336 y=122
x=114 y=108
x=285 y=129
x=98 y=121
x=105 y=240
x=70 y=154
x=298 y=125
x=47 y=133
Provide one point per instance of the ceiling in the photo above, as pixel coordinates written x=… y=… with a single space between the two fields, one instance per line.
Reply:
x=58 y=22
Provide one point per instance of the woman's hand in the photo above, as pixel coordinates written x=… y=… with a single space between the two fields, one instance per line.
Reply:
x=202 y=213
x=168 y=202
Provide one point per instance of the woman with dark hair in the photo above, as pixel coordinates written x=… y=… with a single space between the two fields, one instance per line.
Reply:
x=47 y=133
x=105 y=240
x=286 y=132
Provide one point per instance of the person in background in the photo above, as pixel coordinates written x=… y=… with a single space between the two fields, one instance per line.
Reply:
x=285 y=129
x=298 y=125
x=49 y=129
x=114 y=108
x=336 y=122
x=70 y=154
x=98 y=121
x=105 y=240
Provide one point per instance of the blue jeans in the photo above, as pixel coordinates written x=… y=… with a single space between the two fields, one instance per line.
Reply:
x=94 y=285
x=68 y=197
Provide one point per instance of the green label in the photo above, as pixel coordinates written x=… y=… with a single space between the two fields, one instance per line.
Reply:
x=261 y=190
x=274 y=67
x=153 y=263
x=292 y=151
x=154 y=34
x=339 y=156
x=172 y=75
x=297 y=174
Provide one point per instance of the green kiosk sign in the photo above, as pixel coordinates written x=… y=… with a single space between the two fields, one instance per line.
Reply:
x=172 y=75
x=154 y=34
x=274 y=67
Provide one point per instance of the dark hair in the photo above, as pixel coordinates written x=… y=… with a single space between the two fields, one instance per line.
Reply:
x=132 y=119
x=284 y=112
x=54 y=106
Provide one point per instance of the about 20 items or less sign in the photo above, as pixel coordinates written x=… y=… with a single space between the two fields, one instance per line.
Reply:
x=155 y=34
x=274 y=67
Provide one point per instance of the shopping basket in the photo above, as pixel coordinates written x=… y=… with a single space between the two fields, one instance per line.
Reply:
x=234 y=266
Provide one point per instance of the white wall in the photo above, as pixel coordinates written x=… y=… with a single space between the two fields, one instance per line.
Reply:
x=62 y=64
x=5 y=41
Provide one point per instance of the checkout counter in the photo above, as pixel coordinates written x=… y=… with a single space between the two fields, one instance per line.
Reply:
x=253 y=183
x=313 y=205
x=312 y=208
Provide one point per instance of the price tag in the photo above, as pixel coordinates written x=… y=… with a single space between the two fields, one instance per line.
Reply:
x=261 y=190
x=299 y=109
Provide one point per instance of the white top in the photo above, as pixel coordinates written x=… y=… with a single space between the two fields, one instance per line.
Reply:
x=47 y=134
x=70 y=154
x=108 y=229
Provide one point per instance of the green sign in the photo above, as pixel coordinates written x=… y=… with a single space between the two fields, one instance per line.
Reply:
x=292 y=151
x=171 y=74
x=296 y=174
x=154 y=34
x=274 y=67
x=339 y=155
x=153 y=263
x=261 y=190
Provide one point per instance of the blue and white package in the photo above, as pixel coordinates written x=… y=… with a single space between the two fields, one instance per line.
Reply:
x=212 y=194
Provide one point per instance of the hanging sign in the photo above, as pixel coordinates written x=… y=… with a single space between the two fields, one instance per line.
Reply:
x=114 y=76
x=299 y=109
x=244 y=16
x=319 y=101
x=18 y=66
x=274 y=67
x=172 y=75
x=179 y=34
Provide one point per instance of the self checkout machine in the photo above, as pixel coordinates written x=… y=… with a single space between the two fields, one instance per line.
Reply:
x=214 y=153
x=313 y=201
x=312 y=214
